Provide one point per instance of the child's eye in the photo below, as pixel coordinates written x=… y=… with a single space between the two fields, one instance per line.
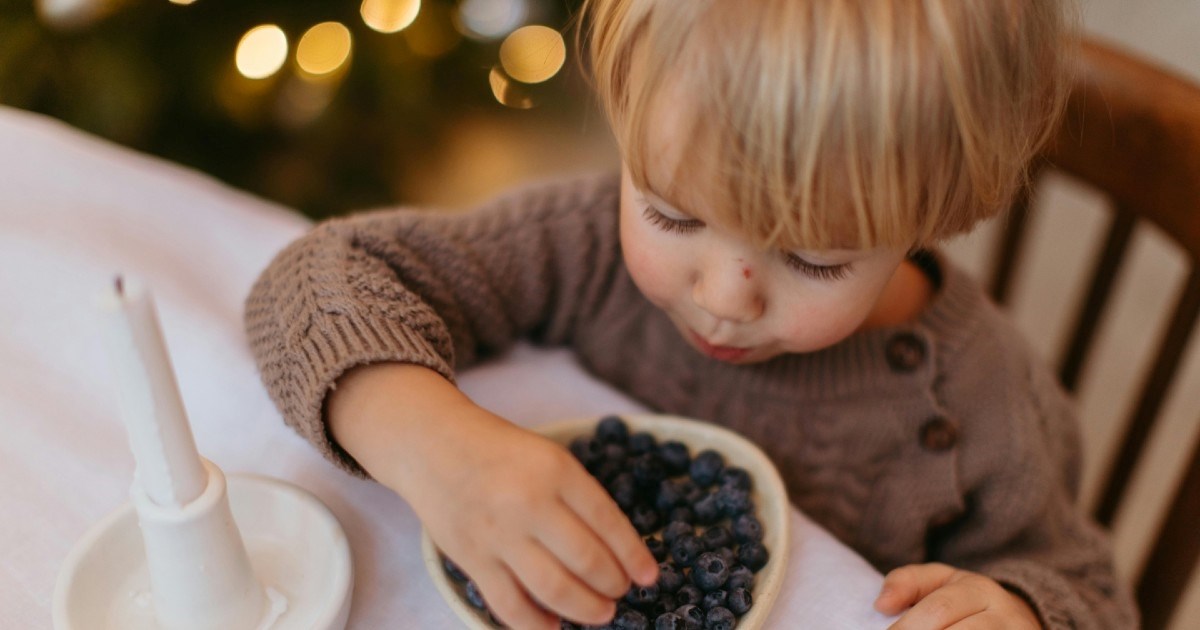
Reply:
x=669 y=224
x=828 y=273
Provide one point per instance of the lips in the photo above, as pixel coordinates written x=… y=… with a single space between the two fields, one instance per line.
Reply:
x=720 y=353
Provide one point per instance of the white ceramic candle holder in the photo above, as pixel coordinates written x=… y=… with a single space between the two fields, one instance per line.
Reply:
x=189 y=552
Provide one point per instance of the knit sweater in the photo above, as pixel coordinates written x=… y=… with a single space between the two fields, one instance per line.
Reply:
x=942 y=439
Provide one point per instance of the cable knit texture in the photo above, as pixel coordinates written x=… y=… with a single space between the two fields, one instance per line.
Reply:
x=940 y=440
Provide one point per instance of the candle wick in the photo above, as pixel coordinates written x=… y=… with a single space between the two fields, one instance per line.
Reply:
x=120 y=282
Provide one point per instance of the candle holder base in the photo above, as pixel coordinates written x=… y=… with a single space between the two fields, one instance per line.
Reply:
x=296 y=546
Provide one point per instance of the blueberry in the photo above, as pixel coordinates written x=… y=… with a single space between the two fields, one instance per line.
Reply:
x=733 y=500
x=740 y=601
x=607 y=470
x=735 y=476
x=454 y=571
x=676 y=457
x=669 y=621
x=727 y=555
x=740 y=577
x=719 y=597
x=612 y=430
x=746 y=527
x=615 y=453
x=669 y=580
x=719 y=619
x=710 y=572
x=664 y=604
x=682 y=513
x=706 y=468
x=630 y=619
x=644 y=518
x=657 y=548
x=624 y=490
x=589 y=451
x=563 y=624
x=686 y=549
x=648 y=470
x=688 y=594
x=642 y=442
x=670 y=494
x=693 y=616
x=753 y=555
x=474 y=597
x=642 y=596
x=674 y=530
x=707 y=510
x=716 y=537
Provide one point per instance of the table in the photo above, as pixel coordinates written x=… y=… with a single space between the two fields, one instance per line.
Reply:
x=75 y=210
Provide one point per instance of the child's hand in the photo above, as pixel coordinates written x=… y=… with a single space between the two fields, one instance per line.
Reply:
x=941 y=596
x=516 y=511
x=528 y=523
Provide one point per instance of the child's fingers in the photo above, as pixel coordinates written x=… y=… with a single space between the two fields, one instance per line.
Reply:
x=506 y=598
x=605 y=518
x=951 y=604
x=909 y=584
x=550 y=583
x=575 y=545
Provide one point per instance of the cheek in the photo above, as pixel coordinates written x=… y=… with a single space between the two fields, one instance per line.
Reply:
x=818 y=323
x=648 y=262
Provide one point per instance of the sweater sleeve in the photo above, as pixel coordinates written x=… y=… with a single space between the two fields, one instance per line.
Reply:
x=437 y=290
x=1024 y=528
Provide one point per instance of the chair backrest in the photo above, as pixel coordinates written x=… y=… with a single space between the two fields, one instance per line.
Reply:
x=1132 y=131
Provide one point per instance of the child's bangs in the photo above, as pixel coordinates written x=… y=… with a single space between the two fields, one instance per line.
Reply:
x=832 y=125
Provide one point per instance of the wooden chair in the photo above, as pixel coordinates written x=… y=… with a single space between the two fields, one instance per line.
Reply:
x=1133 y=131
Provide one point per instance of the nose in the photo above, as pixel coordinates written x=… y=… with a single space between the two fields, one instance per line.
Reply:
x=729 y=290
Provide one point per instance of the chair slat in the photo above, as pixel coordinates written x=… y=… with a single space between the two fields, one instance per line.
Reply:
x=1173 y=558
x=1011 y=240
x=1103 y=275
x=1166 y=362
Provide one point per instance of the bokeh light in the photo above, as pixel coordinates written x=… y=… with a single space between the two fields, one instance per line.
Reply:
x=532 y=54
x=507 y=91
x=490 y=19
x=389 y=16
x=261 y=52
x=324 y=48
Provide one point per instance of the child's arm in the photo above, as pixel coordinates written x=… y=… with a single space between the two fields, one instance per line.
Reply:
x=434 y=292
x=516 y=511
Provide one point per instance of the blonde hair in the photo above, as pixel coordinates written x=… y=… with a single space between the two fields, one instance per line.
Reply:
x=839 y=123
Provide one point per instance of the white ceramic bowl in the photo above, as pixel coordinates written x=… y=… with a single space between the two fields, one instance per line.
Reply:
x=770 y=500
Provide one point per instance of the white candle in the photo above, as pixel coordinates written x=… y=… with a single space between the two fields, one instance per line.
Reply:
x=168 y=465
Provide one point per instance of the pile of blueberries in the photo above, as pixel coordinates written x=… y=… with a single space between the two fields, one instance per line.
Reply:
x=698 y=520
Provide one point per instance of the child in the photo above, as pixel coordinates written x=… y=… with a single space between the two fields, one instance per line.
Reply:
x=762 y=262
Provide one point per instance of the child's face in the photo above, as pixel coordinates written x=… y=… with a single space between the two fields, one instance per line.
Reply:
x=735 y=302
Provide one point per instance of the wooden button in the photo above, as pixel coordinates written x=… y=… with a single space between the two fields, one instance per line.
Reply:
x=905 y=352
x=938 y=434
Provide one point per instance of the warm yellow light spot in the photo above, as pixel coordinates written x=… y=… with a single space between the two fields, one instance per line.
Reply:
x=507 y=92
x=323 y=48
x=389 y=16
x=262 y=51
x=532 y=54
x=184 y=2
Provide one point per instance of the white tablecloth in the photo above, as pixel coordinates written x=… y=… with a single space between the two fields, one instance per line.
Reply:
x=75 y=210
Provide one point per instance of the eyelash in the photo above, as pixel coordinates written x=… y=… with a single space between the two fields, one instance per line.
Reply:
x=828 y=273
x=667 y=224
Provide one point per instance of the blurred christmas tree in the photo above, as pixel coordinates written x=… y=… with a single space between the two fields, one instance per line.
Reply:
x=318 y=105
